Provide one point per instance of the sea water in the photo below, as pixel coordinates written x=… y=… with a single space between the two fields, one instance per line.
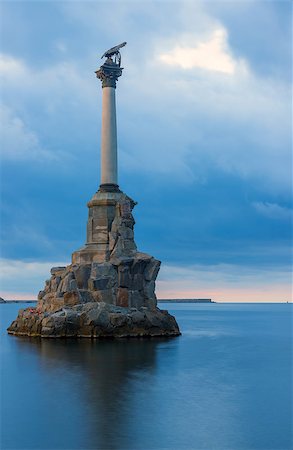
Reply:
x=226 y=383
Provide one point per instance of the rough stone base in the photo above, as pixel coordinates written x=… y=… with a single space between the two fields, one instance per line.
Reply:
x=94 y=320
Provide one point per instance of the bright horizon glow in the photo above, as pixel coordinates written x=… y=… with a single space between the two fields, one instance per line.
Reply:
x=243 y=295
x=284 y=294
x=261 y=295
x=221 y=283
x=224 y=283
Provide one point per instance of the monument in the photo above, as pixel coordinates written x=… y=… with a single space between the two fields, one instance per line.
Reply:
x=109 y=288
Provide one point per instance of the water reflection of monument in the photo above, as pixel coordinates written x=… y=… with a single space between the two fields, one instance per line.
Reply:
x=104 y=374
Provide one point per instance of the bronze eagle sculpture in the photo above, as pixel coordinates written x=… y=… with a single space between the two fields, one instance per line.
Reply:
x=114 y=51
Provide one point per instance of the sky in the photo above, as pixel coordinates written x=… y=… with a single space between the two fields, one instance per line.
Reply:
x=204 y=115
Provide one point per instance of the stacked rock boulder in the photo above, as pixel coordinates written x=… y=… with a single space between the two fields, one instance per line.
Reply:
x=108 y=290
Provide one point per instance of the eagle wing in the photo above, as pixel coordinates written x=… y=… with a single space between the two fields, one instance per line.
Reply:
x=113 y=50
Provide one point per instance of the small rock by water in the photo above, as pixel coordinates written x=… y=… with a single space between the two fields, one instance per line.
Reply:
x=94 y=320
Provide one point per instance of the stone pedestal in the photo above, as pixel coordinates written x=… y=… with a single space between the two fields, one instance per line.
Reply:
x=109 y=228
x=108 y=268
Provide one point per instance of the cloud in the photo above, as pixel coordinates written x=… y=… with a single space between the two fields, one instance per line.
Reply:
x=212 y=54
x=272 y=210
x=50 y=86
x=24 y=279
x=10 y=66
x=18 y=142
x=61 y=46
x=193 y=124
x=194 y=121
x=38 y=106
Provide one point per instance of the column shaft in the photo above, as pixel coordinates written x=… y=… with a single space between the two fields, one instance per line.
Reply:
x=108 y=137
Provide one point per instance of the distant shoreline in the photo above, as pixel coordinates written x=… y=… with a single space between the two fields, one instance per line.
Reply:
x=186 y=300
x=166 y=301
x=18 y=301
x=160 y=301
x=178 y=300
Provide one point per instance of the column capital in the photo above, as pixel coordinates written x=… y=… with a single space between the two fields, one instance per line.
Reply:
x=109 y=73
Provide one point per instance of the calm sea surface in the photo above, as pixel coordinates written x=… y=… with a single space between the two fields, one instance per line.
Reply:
x=226 y=383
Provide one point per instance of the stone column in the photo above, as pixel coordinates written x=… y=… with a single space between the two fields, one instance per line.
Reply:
x=109 y=138
x=108 y=74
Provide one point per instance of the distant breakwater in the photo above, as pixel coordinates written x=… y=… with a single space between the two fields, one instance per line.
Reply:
x=187 y=300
